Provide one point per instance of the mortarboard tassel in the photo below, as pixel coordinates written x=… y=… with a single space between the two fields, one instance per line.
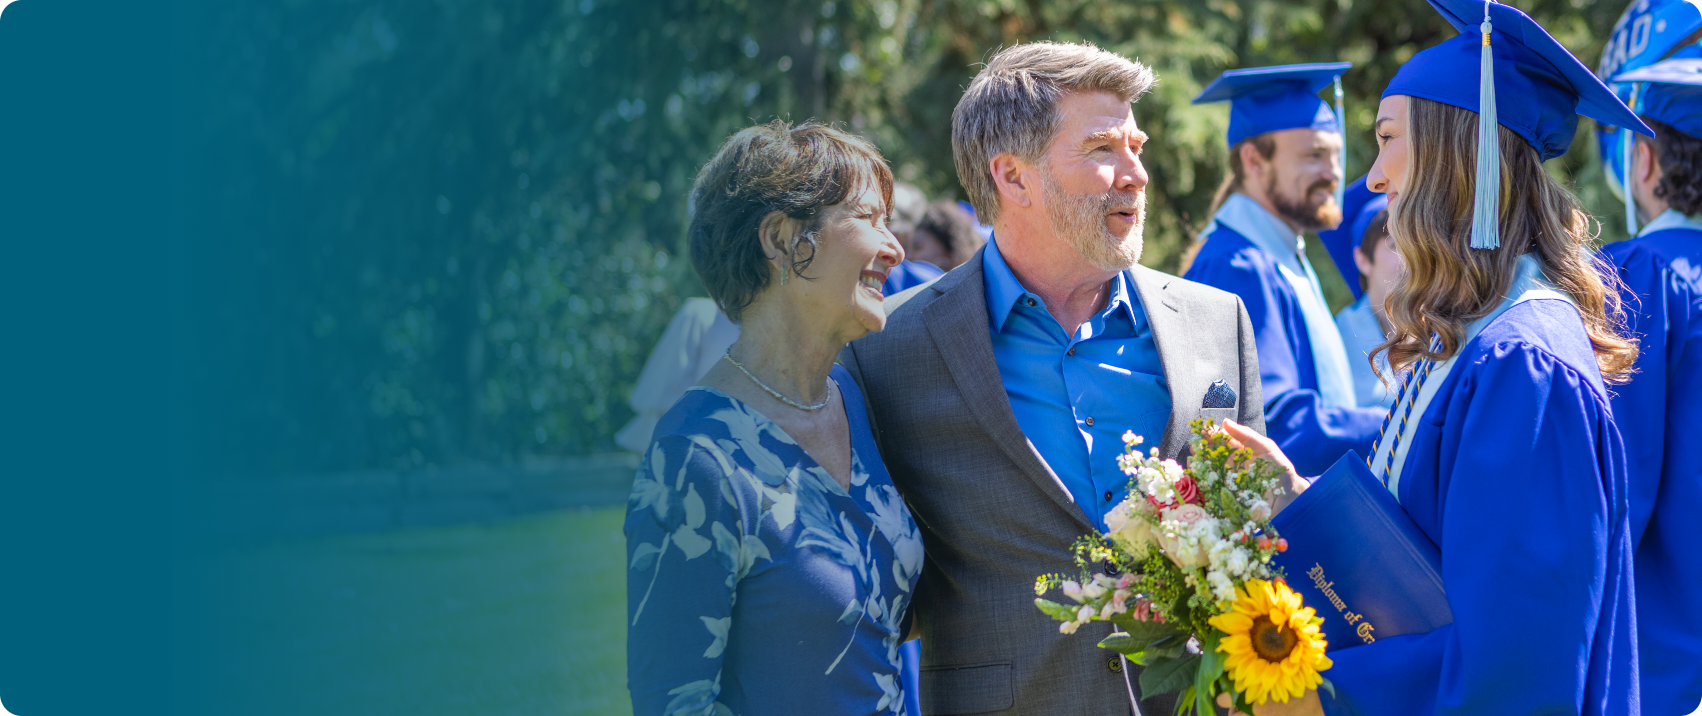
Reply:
x=1486 y=213
x=1341 y=127
x=1627 y=143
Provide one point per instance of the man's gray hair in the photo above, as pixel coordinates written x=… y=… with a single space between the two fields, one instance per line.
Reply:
x=1011 y=107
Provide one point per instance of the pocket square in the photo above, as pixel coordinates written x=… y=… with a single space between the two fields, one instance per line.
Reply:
x=1219 y=395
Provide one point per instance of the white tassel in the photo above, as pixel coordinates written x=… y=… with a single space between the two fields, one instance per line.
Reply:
x=1628 y=144
x=1486 y=212
x=1341 y=126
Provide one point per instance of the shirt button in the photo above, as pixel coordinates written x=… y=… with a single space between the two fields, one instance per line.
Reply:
x=1090 y=421
x=1071 y=351
x=1031 y=302
x=1111 y=570
x=1107 y=495
x=1115 y=665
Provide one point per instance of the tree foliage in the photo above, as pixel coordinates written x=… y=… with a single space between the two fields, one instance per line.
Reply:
x=481 y=207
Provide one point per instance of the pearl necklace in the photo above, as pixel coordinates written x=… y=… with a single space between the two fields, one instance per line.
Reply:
x=777 y=396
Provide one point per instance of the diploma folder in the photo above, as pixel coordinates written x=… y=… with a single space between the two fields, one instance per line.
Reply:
x=1359 y=560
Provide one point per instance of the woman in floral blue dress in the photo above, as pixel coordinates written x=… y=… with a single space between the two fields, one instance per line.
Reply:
x=771 y=559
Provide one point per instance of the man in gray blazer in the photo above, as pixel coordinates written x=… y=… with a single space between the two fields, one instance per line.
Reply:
x=1001 y=390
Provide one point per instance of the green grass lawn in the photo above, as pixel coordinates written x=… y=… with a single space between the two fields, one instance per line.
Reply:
x=522 y=616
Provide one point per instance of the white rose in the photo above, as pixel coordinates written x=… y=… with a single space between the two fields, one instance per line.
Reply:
x=1118 y=515
x=1221 y=587
x=1133 y=534
x=1238 y=561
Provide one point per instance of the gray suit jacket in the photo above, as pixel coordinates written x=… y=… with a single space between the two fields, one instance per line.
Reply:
x=993 y=515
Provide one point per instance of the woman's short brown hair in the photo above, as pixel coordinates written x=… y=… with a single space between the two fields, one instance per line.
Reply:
x=768 y=168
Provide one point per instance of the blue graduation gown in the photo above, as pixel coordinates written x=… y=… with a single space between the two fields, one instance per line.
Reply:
x=1517 y=473
x=1660 y=414
x=909 y=274
x=1311 y=435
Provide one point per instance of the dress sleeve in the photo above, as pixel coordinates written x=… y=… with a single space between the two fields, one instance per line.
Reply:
x=1311 y=435
x=680 y=593
x=1535 y=556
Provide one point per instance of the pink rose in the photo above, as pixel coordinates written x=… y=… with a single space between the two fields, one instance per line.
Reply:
x=1188 y=491
x=1187 y=514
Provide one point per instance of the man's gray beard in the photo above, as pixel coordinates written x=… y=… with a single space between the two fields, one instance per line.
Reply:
x=1318 y=216
x=1080 y=220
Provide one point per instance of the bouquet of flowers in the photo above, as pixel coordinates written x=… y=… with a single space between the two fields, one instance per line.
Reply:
x=1191 y=588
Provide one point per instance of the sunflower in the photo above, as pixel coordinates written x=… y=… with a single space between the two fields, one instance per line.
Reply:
x=1273 y=645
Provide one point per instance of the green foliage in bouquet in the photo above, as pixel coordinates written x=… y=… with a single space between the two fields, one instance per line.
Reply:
x=1196 y=601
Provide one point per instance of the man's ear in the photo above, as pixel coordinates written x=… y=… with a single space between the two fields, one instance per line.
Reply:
x=1015 y=180
x=1252 y=163
x=1644 y=165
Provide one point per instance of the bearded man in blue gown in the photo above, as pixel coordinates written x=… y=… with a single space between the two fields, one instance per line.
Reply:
x=1284 y=160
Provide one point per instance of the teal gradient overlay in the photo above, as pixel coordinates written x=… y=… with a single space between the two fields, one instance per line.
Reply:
x=296 y=410
x=110 y=387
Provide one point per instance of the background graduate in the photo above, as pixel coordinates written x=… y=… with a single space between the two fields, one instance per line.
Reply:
x=1372 y=267
x=1660 y=410
x=1502 y=445
x=1284 y=160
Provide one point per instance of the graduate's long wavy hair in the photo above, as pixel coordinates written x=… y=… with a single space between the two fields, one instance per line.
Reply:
x=1445 y=284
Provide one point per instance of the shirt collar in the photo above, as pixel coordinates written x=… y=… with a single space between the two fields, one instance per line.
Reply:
x=1247 y=218
x=1004 y=291
x=1671 y=219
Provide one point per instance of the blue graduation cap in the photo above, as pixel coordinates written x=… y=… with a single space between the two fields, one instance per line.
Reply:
x=1362 y=222
x=1669 y=92
x=1673 y=95
x=1544 y=89
x=1648 y=32
x=1268 y=99
x=1342 y=240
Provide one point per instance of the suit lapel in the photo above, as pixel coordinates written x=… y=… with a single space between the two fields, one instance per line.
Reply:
x=958 y=323
x=1168 y=332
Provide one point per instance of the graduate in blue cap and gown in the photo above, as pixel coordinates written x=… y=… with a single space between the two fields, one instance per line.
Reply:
x=1285 y=146
x=1502 y=444
x=1649 y=31
x=1660 y=410
x=1372 y=268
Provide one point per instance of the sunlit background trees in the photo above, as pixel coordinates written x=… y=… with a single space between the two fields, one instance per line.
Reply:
x=485 y=204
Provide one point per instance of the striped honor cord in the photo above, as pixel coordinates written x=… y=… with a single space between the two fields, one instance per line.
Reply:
x=1413 y=384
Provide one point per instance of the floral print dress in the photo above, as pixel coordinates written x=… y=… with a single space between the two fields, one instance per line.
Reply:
x=757 y=585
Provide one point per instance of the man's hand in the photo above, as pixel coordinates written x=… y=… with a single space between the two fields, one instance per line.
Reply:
x=1307 y=705
x=1264 y=447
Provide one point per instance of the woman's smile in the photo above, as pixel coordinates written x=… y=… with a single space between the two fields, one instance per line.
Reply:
x=873 y=280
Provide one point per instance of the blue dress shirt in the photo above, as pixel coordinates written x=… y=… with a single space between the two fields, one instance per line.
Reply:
x=1075 y=395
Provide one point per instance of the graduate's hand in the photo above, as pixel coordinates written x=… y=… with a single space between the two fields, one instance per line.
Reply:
x=1307 y=705
x=1266 y=448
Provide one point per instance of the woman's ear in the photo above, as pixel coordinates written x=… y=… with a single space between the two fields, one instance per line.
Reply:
x=776 y=233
